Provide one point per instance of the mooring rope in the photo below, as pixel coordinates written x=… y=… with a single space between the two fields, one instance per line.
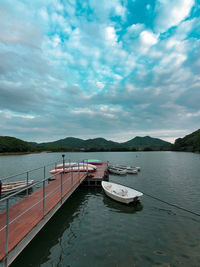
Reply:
x=171 y=204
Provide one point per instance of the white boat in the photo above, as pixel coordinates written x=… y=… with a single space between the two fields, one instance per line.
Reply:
x=120 y=192
x=129 y=168
x=117 y=171
x=8 y=188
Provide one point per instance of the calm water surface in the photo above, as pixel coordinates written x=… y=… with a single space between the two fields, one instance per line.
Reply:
x=93 y=230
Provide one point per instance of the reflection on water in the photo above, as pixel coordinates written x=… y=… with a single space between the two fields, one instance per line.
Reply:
x=54 y=232
x=115 y=206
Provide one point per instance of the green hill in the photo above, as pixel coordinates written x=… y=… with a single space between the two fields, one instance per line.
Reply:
x=70 y=142
x=142 y=143
x=190 y=142
x=146 y=143
x=12 y=144
x=79 y=144
x=101 y=143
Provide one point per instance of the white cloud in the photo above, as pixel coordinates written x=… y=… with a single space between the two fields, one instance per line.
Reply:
x=147 y=39
x=130 y=87
x=100 y=85
x=171 y=13
x=43 y=13
x=56 y=40
x=194 y=114
x=110 y=35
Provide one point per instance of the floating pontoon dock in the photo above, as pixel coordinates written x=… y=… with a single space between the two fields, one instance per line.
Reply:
x=20 y=222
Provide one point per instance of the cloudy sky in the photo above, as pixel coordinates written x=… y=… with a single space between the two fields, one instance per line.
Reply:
x=97 y=68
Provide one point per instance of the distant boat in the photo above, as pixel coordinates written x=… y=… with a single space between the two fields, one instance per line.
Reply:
x=117 y=171
x=129 y=167
x=131 y=170
x=120 y=192
x=8 y=188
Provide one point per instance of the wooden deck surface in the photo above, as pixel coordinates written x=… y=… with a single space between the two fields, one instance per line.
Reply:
x=23 y=223
x=100 y=172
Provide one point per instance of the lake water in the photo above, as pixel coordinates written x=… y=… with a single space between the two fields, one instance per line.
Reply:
x=93 y=230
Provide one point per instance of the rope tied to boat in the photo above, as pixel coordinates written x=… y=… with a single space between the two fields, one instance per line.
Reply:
x=173 y=205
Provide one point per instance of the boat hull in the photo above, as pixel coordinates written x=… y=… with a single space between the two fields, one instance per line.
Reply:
x=121 y=193
x=73 y=169
x=13 y=187
x=122 y=200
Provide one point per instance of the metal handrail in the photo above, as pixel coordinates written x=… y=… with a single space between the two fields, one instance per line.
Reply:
x=8 y=177
x=7 y=198
x=27 y=187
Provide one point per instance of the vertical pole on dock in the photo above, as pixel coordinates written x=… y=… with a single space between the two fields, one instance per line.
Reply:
x=43 y=197
x=44 y=172
x=0 y=188
x=27 y=178
x=7 y=223
x=78 y=173
x=63 y=156
x=87 y=166
x=61 y=186
x=27 y=174
x=72 y=174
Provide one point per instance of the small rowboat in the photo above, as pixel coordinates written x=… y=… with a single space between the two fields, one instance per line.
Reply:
x=8 y=188
x=128 y=167
x=117 y=171
x=73 y=169
x=120 y=192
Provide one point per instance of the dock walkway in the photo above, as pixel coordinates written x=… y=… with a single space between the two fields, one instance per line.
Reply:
x=29 y=215
x=26 y=218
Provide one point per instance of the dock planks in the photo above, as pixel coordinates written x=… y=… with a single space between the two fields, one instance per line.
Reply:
x=25 y=223
x=21 y=225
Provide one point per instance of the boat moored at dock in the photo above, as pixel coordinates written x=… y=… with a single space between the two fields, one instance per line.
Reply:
x=121 y=193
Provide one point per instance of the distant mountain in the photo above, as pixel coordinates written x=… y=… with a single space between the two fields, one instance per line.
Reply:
x=78 y=144
x=72 y=143
x=147 y=142
x=190 y=142
x=100 y=143
x=12 y=144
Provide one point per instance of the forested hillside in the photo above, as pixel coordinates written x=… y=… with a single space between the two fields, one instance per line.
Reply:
x=190 y=142
x=12 y=144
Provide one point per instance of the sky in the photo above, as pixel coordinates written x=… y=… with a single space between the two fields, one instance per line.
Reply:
x=114 y=69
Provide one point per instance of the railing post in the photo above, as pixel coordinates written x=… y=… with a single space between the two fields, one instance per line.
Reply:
x=44 y=172
x=43 y=198
x=61 y=187
x=27 y=174
x=0 y=188
x=63 y=156
x=27 y=178
x=78 y=173
x=7 y=224
x=72 y=175
x=87 y=166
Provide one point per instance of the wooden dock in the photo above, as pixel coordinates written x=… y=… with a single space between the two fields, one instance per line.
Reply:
x=28 y=216
x=95 y=178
